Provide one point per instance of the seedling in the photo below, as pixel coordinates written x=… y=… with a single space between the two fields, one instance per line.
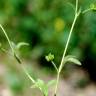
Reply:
x=65 y=58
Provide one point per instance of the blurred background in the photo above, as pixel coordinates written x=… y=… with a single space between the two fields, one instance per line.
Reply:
x=45 y=25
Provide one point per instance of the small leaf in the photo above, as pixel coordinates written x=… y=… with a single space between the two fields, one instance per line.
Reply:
x=69 y=58
x=49 y=57
x=20 y=44
x=38 y=84
x=72 y=59
x=42 y=86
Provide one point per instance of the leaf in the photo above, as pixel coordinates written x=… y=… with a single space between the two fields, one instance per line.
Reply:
x=38 y=84
x=16 y=50
x=42 y=86
x=20 y=44
x=72 y=59
x=49 y=57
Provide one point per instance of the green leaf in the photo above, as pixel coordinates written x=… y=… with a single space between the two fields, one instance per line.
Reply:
x=42 y=86
x=49 y=57
x=38 y=84
x=16 y=50
x=20 y=44
x=72 y=59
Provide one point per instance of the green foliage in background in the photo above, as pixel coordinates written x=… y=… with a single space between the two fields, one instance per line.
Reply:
x=45 y=25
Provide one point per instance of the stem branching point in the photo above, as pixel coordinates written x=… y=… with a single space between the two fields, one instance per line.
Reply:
x=66 y=46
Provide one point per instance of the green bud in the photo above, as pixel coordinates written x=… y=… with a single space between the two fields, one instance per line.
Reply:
x=49 y=57
x=93 y=7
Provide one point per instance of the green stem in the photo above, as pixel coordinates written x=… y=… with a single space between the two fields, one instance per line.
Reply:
x=76 y=9
x=28 y=75
x=54 y=66
x=15 y=55
x=57 y=81
x=7 y=38
x=66 y=46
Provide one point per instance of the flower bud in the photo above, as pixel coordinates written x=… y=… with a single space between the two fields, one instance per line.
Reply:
x=93 y=7
x=49 y=57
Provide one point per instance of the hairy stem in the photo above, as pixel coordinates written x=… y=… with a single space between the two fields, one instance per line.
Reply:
x=66 y=46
